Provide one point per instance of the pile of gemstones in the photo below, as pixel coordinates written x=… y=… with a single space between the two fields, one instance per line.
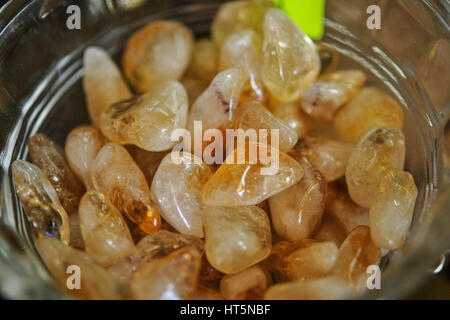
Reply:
x=140 y=226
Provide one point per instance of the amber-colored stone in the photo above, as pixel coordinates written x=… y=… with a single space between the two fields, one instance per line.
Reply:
x=82 y=145
x=205 y=59
x=331 y=230
x=245 y=184
x=302 y=260
x=116 y=175
x=177 y=190
x=249 y=284
x=49 y=157
x=322 y=99
x=253 y=115
x=379 y=150
x=157 y=52
x=105 y=232
x=173 y=277
x=356 y=253
x=290 y=63
x=147 y=161
x=367 y=110
x=40 y=202
x=76 y=237
x=103 y=83
x=96 y=282
x=147 y=121
x=236 y=237
x=328 y=156
x=393 y=208
x=297 y=211
x=203 y=292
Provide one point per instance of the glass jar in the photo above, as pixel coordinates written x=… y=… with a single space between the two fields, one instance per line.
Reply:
x=40 y=90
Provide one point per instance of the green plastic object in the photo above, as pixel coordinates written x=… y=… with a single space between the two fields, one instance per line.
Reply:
x=308 y=14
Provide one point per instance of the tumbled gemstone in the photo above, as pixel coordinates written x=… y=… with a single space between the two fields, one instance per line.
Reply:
x=147 y=161
x=95 y=283
x=331 y=230
x=82 y=145
x=356 y=253
x=370 y=108
x=236 y=237
x=177 y=189
x=379 y=150
x=290 y=63
x=147 y=121
x=173 y=277
x=323 y=99
x=327 y=288
x=253 y=115
x=116 y=175
x=161 y=243
x=296 y=212
x=216 y=106
x=49 y=157
x=326 y=155
x=393 y=208
x=155 y=245
x=243 y=50
x=292 y=114
x=235 y=16
x=249 y=284
x=341 y=207
x=40 y=202
x=235 y=184
x=105 y=232
x=204 y=61
x=103 y=83
x=158 y=52
x=302 y=260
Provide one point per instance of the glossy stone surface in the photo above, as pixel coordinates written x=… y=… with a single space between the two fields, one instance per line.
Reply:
x=173 y=277
x=290 y=63
x=249 y=284
x=322 y=99
x=106 y=235
x=103 y=82
x=244 y=184
x=297 y=211
x=116 y=175
x=393 y=208
x=96 y=283
x=82 y=145
x=49 y=157
x=177 y=190
x=236 y=16
x=236 y=237
x=147 y=121
x=367 y=110
x=243 y=50
x=379 y=150
x=331 y=230
x=328 y=156
x=253 y=115
x=216 y=106
x=302 y=260
x=356 y=253
x=158 y=52
x=40 y=202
